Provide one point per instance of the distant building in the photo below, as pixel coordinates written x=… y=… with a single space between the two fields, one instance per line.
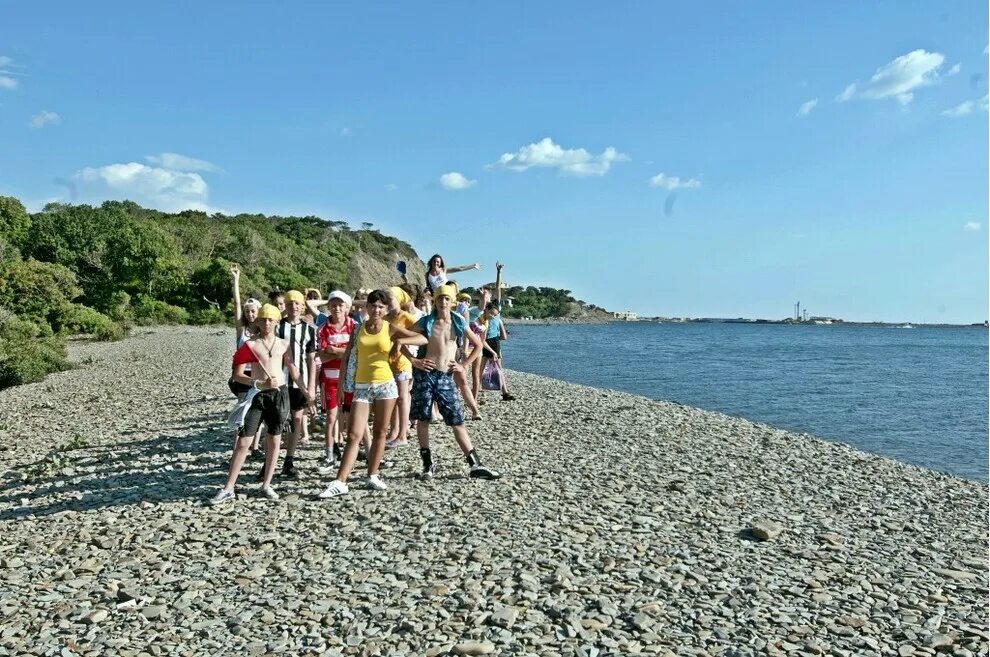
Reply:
x=626 y=315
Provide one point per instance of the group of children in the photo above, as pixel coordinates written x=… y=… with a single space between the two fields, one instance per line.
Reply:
x=388 y=358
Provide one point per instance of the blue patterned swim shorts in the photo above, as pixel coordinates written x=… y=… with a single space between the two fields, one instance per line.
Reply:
x=439 y=387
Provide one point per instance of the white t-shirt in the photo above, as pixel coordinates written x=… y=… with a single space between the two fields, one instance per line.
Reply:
x=437 y=280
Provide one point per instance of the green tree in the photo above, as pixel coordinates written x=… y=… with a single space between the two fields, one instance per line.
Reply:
x=15 y=222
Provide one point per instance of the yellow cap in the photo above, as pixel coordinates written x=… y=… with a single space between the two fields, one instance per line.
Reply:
x=295 y=295
x=268 y=311
x=400 y=295
x=463 y=296
x=448 y=291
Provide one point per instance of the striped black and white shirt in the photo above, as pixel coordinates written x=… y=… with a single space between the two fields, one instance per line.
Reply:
x=302 y=343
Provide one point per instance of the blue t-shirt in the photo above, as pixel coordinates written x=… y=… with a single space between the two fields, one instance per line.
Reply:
x=494 y=326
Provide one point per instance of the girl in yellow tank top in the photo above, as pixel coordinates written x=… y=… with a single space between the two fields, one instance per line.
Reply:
x=373 y=355
x=373 y=384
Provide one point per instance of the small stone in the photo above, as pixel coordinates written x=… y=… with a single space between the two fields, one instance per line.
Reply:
x=906 y=650
x=505 y=617
x=642 y=621
x=438 y=650
x=765 y=530
x=959 y=575
x=152 y=612
x=852 y=621
x=97 y=616
x=939 y=641
x=474 y=648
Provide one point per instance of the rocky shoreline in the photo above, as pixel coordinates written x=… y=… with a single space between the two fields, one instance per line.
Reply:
x=622 y=526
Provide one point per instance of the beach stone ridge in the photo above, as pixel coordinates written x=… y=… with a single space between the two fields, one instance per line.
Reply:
x=622 y=525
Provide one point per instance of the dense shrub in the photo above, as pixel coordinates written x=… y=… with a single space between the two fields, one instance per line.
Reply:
x=120 y=309
x=28 y=351
x=81 y=319
x=208 y=316
x=148 y=310
x=36 y=290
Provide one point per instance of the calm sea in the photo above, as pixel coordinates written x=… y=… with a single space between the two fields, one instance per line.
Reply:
x=919 y=395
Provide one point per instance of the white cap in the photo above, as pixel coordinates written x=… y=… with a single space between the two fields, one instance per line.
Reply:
x=252 y=303
x=343 y=296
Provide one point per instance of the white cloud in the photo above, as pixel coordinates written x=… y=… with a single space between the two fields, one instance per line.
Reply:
x=456 y=181
x=847 y=94
x=177 y=162
x=7 y=79
x=962 y=109
x=43 y=118
x=391 y=187
x=673 y=182
x=160 y=188
x=898 y=78
x=345 y=132
x=806 y=107
x=954 y=70
x=972 y=226
x=572 y=161
x=966 y=107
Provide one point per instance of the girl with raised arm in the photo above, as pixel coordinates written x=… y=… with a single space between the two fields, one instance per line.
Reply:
x=244 y=330
x=436 y=272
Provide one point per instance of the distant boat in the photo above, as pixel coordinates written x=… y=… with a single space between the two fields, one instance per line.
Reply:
x=905 y=326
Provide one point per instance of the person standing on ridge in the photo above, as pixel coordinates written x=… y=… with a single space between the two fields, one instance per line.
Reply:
x=433 y=382
x=332 y=340
x=436 y=272
x=266 y=402
x=400 y=305
x=302 y=350
x=244 y=330
x=374 y=384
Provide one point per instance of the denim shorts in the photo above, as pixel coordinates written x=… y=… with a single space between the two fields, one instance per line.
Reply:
x=368 y=393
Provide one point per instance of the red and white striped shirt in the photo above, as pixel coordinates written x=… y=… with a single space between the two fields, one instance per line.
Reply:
x=328 y=337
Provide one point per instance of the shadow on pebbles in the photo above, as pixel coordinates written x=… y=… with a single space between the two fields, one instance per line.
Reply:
x=621 y=526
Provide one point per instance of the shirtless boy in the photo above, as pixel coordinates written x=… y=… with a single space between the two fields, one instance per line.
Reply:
x=270 y=404
x=433 y=381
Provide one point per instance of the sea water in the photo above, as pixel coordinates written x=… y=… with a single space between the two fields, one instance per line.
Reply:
x=919 y=395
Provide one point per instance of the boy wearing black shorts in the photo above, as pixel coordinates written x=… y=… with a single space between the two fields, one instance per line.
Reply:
x=302 y=350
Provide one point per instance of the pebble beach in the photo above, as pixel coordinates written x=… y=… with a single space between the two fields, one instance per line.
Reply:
x=622 y=525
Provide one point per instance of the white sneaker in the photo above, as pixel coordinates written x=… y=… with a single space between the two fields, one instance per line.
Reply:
x=375 y=482
x=222 y=497
x=269 y=492
x=335 y=489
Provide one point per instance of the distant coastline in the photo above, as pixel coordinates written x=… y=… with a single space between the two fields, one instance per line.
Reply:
x=554 y=321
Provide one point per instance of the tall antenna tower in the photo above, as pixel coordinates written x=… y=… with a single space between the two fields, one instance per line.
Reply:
x=797 y=311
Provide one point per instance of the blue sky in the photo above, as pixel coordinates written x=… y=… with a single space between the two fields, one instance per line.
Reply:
x=648 y=156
